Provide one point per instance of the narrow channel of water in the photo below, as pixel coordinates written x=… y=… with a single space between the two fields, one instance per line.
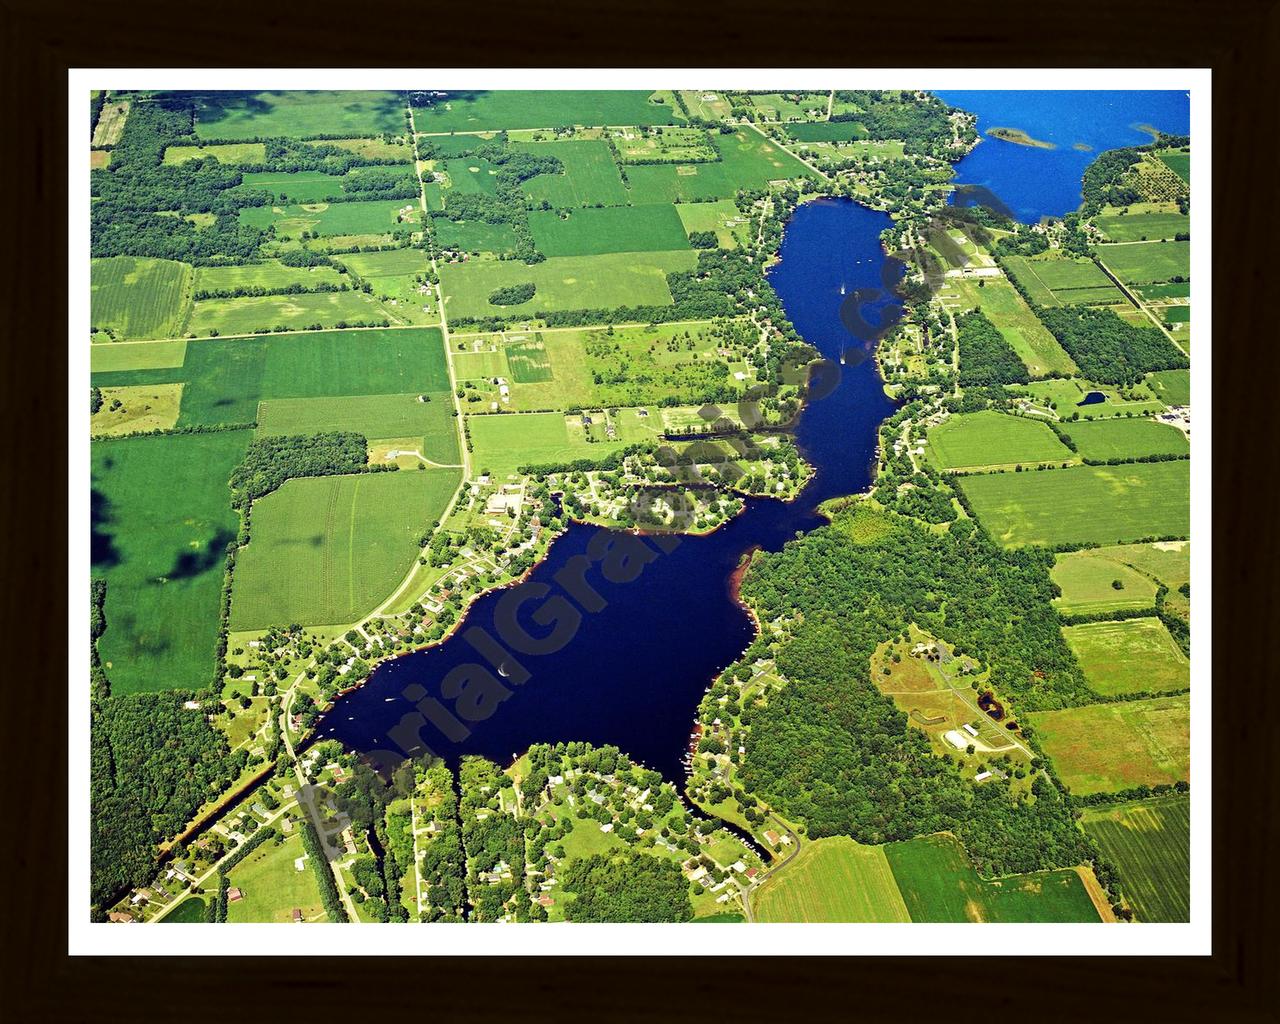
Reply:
x=634 y=672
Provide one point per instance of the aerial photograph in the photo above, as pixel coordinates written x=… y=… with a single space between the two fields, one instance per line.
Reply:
x=728 y=505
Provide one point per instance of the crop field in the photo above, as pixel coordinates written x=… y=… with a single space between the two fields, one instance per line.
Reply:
x=529 y=361
x=1147 y=262
x=160 y=521
x=1173 y=387
x=1106 y=748
x=1027 y=336
x=1087 y=577
x=135 y=297
x=589 y=177
x=610 y=229
x=292 y=312
x=110 y=124
x=371 y=217
x=1169 y=562
x=392 y=151
x=326 y=550
x=268 y=274
x=485 y=111
x=142 y=407
x=474 y=236
x=748 y=160
x=984 y=440
x=1149 y=842
x=307 y=186
x=1167 y=290
x=391 y=263
x=505 y=442
x=231 y=115
x=939 y=885
x=273 y=886
x=489 y=360
x=832 y=879
x=719 y=215
x=374 y=416
x=155 y=355
x=1131 y=656
x=564 y=282
x=224 y=153
x=1103 y=504
x=470 y=175
x=1059 y=281
x=1127 y=438
x=1179 y=163
x=1139 y=227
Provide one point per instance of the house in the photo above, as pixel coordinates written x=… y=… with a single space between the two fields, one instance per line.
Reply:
x=969 y=729
x=739 y=866
x=982 y=776
x=234 y=895
x=120 y=917
x=286 y=826
x=771 y=837
x=297 y=916
x=543 y=900
x=752 y=872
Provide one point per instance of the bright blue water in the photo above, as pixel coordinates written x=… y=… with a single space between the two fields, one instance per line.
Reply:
x=634 y=671
x=1037 y=183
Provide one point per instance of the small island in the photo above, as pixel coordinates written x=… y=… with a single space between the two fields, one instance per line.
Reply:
x=1019 y=138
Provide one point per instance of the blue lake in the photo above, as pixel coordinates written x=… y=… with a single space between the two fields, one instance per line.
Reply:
x=1036 y=182
x=635 y=668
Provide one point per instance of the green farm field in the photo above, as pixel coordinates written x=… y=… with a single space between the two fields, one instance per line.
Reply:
x=1064 y=398
x=1059 y=281
x=224 y=153
x=161 y=519
x=719 y=215
x=1149 y=842
x=1139 y=227
x=564 y=282
x=474 y=236
x=939 y=885
x=151 y=355
x=138 y=297
x=589 y=177
x=1173 y=387
x=610 y=229
x=985 y=440
x=291 y=312
x=230 y=115
x=268 y=274
x=378 y=216
x=1086 y=578
x=487 y=111
x=273 y=887
x=389 y=263
x=1127 y=438
x=189 y=911
x=832 y=879
x=470 y=175
x=505 y=442
x=1102 y=504
x=1179 y=163
x=748 y=160
x=1107 y=748
x=374 y=416
x=1147 y=262
x=1130 y=656
x=826 y=131
x=326 y=550
x=1027 y=336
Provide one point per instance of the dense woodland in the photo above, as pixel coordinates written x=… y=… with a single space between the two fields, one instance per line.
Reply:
x=986 y=359
x=627 y=887
x=1108 y=349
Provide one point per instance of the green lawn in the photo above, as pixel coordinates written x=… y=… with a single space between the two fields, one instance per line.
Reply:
x=505 y=442
x=1087 y=577
x=989 y=439
x=589 y=177
x=830 y=880
x=273 y=886
x=231 y=115
x=1106 y=748
x=1102 y=504
x=564 y=282
x=189 y=911
x=1127 y=438
x=1131 y=656
x=327 y=550
x=1149 y=842
x=939 y=885
x=609 y=229
x=494 y=110
x=134 y=297
x=826 y=131
x=374 y=416
x=161 y=520
x=1147 y=262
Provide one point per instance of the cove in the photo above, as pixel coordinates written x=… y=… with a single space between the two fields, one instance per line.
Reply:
x=634 y=671
x=1035 y=183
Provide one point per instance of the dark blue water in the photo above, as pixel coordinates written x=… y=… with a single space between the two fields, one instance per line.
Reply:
x=634 y=671
x=1092 y=398
x=1037 y=183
